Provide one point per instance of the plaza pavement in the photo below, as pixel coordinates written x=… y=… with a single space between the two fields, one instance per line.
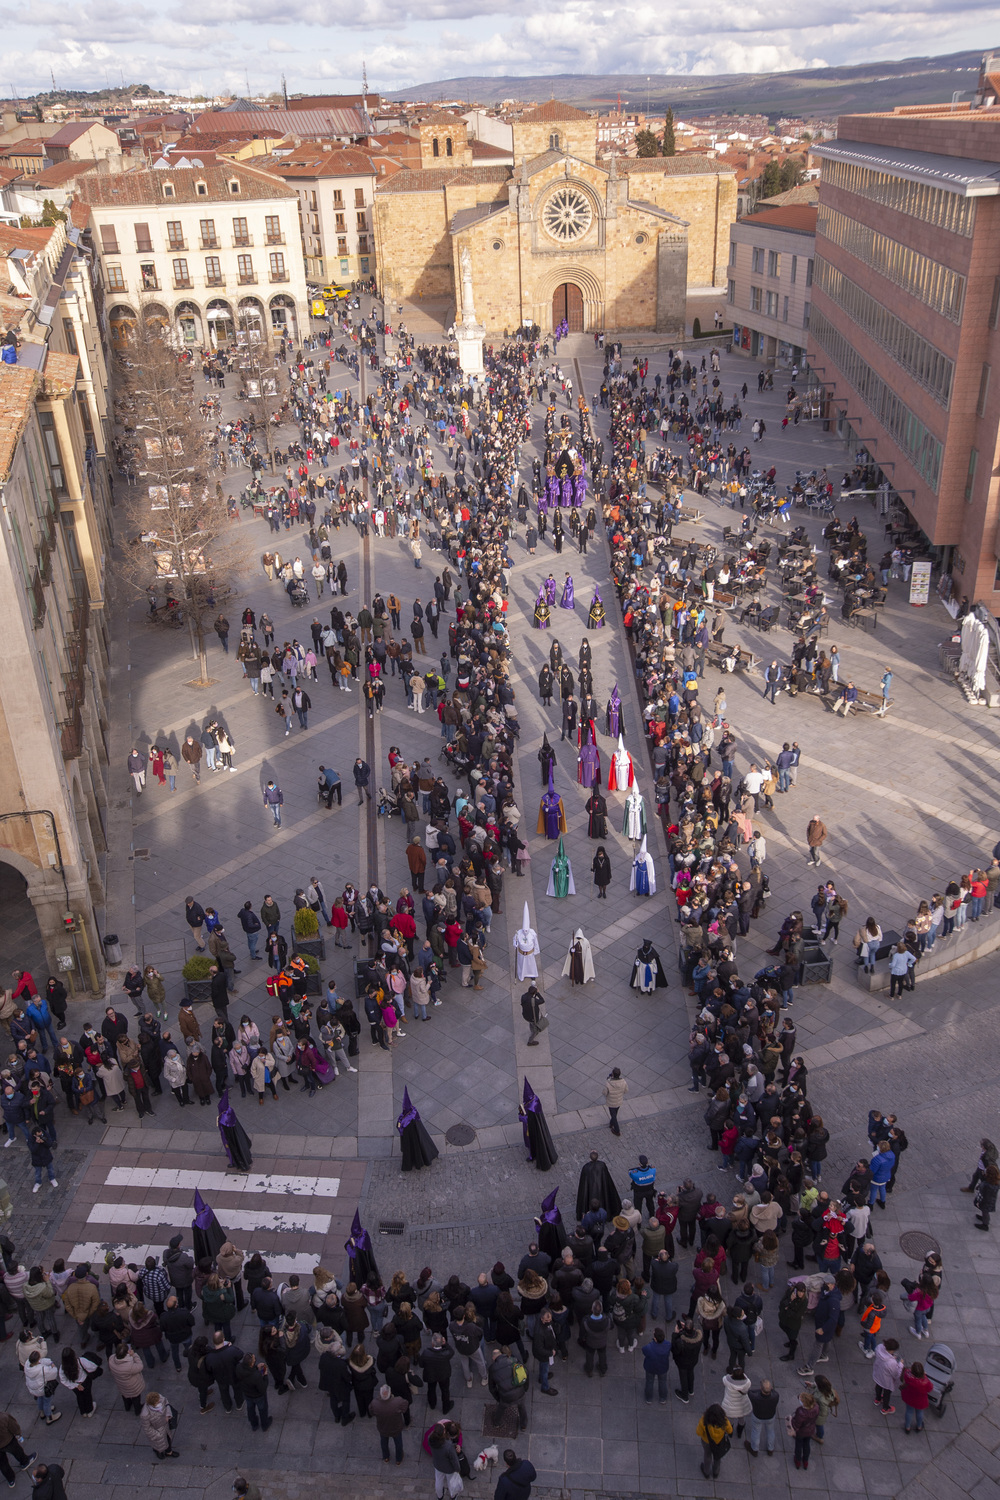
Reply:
x=907 y=802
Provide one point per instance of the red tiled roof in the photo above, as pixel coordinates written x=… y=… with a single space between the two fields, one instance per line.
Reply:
x=552 y=109
x=800 y=216
x=145 y=187
x=432 y=179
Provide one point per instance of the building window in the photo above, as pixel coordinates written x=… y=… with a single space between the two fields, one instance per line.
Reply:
x=757 y=260
x=342 y=246
x=69 y=334
x=554 y=141
x=937 y=286
x=143 y=243
x=278 y=272
x=245 y=263
x=272 y=227
x=795 y=267
x=364 y=265
x=362 y=244
x=809 y=273
x=181 y=277
x=805 y=315
x=756 y=298
x=116 y=278
x=731 y=291
x=362 y=223
x=168 y=190
x=345 y=267
x=213 y=270
x=234 y=184
x=732 y=252
x=340 y=224
x=938 y=206
x=201 y=188
x=773 y=263
x=149 y=281
x=208 y=239
x=772 y=304
x=359 y=197
x=175 y=234
x=994 y=305
x=241 y=235
x=921 y=360
x=970 y=473
x=109 y=239
x=917 y=442
x=434 y=147
x=447 y=146
x=984 y=391
x=52 y=453
x=338 y=198
x=784 y=310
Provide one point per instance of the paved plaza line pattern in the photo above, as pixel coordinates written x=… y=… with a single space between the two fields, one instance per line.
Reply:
x=94 y=1251
x=236 y=1218
x=224 y=1182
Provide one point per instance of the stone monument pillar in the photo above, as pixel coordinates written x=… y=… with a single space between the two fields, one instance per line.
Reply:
x=468 y=333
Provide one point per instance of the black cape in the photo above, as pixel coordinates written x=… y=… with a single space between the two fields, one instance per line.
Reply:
x=647 y=954
x=207 y=1238
x=416 y=1146
x=543 y=1151
x=238 y=1145
x=595 y=1182
x=552 y=1239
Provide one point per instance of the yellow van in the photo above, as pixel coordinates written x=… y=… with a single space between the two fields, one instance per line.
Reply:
x=318 y=307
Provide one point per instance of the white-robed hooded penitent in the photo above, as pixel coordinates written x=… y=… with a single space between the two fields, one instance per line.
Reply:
x=643 y=880
x=621 y=772
x=634 y=821
x=526 y=947
x=579 y=964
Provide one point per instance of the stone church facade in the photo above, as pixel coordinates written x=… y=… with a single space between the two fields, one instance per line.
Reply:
x=559 y=235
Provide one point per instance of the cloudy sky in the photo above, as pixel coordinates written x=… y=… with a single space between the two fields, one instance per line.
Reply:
x=208 y=46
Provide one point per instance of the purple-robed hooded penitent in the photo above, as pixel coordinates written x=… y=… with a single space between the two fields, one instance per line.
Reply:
x=359 y=1252
x=238 y=1145
x=537 y=1139
x=416 y=1147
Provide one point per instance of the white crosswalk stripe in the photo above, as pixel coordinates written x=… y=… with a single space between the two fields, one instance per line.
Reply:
x=95 y=1251
x=267 y=1183
x=290 y=1220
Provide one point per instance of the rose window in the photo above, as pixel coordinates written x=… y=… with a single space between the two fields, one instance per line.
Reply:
x=567 y=214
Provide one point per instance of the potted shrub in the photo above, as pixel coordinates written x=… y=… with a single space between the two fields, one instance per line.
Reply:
x=197 y=985
x=306 y=937
x=314 y=981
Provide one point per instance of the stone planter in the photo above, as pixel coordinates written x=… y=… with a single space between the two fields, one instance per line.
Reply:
x=198 y=989
x=316 y=946
x=817 y=967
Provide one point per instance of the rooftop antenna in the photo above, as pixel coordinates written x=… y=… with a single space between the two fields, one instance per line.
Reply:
x=53 y=77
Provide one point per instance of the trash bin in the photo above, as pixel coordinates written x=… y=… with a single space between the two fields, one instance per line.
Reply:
x=112 y=949
x=816 y=967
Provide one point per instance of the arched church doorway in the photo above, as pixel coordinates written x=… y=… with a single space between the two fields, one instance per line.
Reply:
x=567 y=304
x=21 y=944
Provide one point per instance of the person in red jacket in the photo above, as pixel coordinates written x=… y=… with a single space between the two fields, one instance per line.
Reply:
x=915 y=1389
x=24 y=986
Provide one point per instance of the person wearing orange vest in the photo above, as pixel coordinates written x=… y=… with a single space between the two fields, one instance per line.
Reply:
x=871 y=1322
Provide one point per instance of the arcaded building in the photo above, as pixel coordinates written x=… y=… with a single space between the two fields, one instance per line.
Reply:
x=614 y=245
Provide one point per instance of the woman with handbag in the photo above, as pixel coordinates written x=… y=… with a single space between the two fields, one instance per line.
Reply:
x=78 y=1375
x=715 y=1431
x=42 y=1380
x=157 y=1420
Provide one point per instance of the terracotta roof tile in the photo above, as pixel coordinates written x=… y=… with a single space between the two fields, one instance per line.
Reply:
x=144 y=187
x=432 y=179
x=674 y=166
x=553 y=109
x=17 y=390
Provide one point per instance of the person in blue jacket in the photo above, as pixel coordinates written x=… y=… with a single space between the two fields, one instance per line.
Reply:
x=656 y=1363
x=881 y=1166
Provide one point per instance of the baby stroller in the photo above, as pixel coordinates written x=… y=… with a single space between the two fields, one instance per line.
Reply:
x=299 y=594
x=388 y=803
x=939 y=1367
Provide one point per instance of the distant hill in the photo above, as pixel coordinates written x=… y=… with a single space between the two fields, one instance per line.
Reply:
x=824 y=92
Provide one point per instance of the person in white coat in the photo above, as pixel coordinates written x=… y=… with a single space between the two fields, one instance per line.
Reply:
x=578 y=967
x=38 y=1373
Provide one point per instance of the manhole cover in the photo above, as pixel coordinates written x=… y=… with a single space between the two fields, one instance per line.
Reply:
x=460 y=1135
x=500 y=1421
x=391 y=1226
x=916 y=1244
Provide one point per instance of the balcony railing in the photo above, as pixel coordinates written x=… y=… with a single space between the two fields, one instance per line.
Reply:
x=215 y=281
x=210 y=244
x=275 y=239
x=249 y=279
x=173 y=246
x=36 y=598
x=150 y=284
x=117 y=286
x=242 y=241
x=71 y=735
x=144 y=247
x=182 y=283
x=279 y=276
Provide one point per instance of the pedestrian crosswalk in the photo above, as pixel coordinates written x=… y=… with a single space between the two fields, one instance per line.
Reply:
x=297 y=1221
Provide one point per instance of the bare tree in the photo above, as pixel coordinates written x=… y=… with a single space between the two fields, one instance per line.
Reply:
x=259 y=376
x=178 y=514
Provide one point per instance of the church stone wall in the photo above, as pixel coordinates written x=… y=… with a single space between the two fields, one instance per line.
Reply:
x=576 y=137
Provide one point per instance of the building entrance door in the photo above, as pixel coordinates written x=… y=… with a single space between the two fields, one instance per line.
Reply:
x=567 y=303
